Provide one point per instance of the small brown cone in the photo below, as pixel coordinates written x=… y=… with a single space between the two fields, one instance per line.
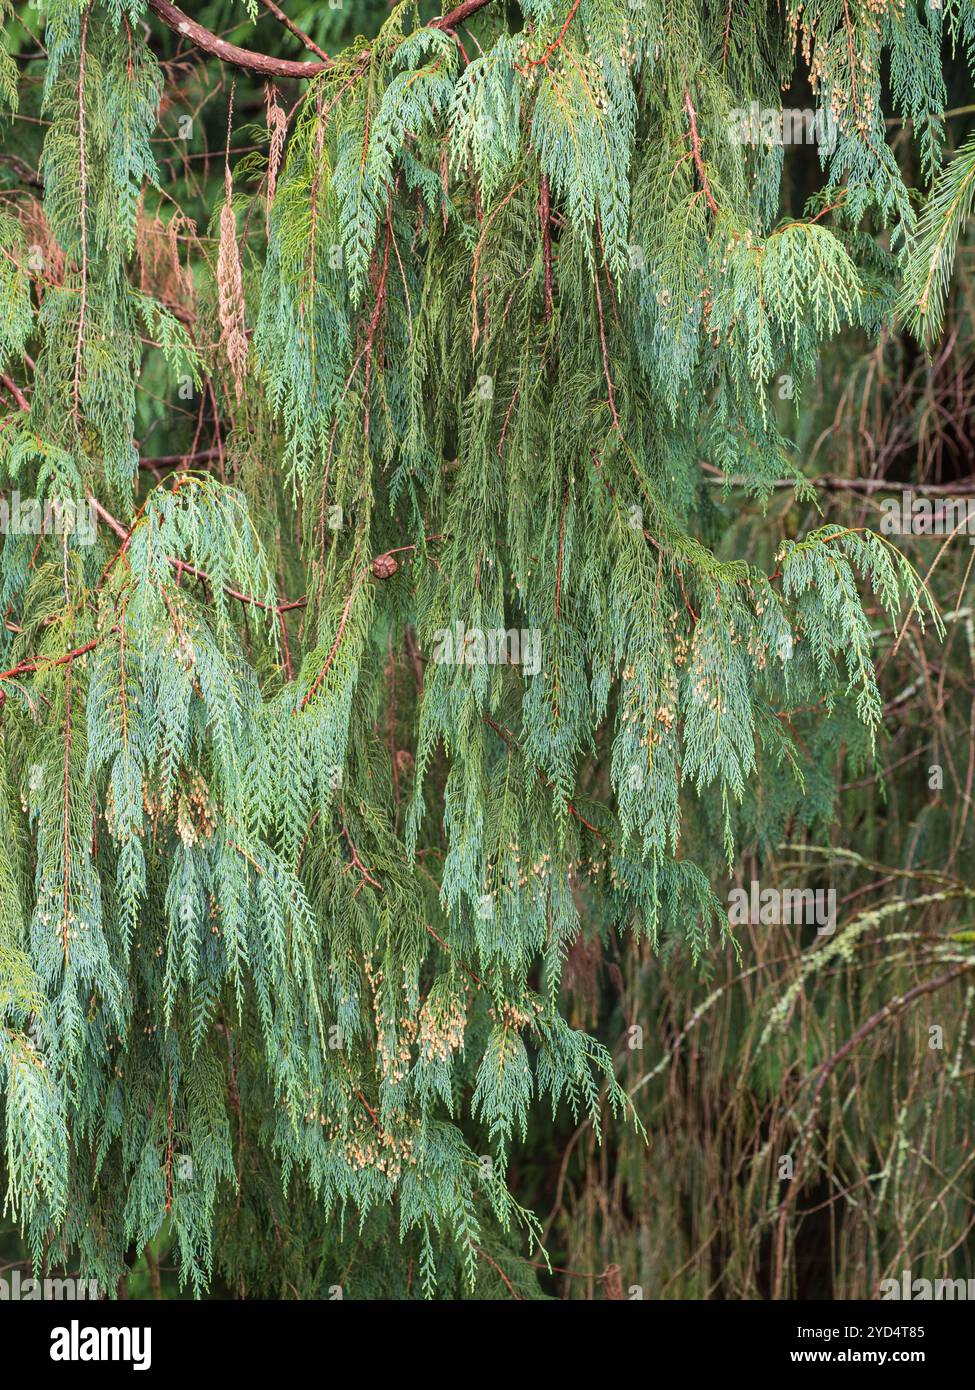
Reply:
x=384 y=567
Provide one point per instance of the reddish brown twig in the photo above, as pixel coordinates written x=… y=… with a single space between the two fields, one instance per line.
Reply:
x=67 y=803
x=467 y=971
x=32 y=664
x=509 y=738
x=606 y=372
x=484 y=1254
x=696 y=148
x=558 y=575
x=182 y=567
x=83 y=214
x=292 y=28
x=356 y=861
x=11 y=386
x=544 y=216
x=344 y=618
x=169 y=1152
x=556 y=42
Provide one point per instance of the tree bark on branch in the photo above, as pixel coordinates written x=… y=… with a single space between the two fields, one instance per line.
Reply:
x=263 y=63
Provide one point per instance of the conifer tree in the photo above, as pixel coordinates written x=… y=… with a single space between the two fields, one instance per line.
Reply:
x=328 y=725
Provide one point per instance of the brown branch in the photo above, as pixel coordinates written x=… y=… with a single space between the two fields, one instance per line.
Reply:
x=23 y=170
x=696 y=148
x=484 y=1254
x=290 y=25
x=373 y=325
x=825 y=1071
x=83 y=219
x=111 y=521
x=179 y=460
x=288 y=669
x=181 y=567
x=358 y=576
x=556 y=42
x=509 y=738
x=558 y=578
x=602 y=341
x=169 y=1151
x=467 y=971
x=26 y=667
x=11 y=387
x=67 y=807
x=544 y=216
x=893 y=1006
x=262 y=63
x=312 y=689
x=829 y=482
x=727 y=36
x=355 y=861
x=246 y=58
x=680 y=576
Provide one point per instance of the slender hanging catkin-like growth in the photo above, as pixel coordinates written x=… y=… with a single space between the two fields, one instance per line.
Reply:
x=230 y=288
x=230 y=282
x=277 y=124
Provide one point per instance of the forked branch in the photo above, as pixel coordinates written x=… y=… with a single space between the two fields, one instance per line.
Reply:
x=263 y=63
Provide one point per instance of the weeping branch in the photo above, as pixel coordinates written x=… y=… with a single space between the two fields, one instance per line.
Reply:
x=263 y=63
